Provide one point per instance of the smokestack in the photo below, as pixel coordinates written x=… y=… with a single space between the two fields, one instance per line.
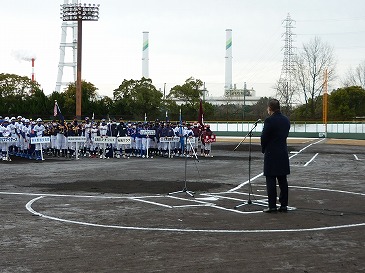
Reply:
x=228 y=82
x=33 y=59
x=22 y=55
x=145 y=55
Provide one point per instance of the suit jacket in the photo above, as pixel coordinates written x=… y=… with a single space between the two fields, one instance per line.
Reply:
x=274 y=146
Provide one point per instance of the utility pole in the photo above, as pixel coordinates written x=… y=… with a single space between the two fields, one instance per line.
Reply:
x=325 y=101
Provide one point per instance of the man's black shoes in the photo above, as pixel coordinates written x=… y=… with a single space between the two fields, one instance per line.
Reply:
x=280 y=209
x=269 y=210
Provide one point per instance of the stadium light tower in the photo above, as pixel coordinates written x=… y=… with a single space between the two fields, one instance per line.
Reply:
x=79 y=12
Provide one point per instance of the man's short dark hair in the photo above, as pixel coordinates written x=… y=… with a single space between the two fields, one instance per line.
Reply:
x=274 y=105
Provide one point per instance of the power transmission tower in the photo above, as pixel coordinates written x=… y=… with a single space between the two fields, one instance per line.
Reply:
x=70 y=45
x=286 y=85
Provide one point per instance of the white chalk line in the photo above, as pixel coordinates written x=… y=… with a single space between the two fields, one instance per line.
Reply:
x=246 y=182
x=310 y=161
x=321 y=189
x=190 y=200
x=307 y=188
x=31 y=210
x=152 y=203
x=357 y=158
x=261 y=174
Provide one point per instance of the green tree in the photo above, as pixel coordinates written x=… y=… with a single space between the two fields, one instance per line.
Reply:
x=190 y=92
x=208 y=111
x=347 y=103
x=137 y=98
x=14 y=91
x=89 y=96
x=38 y=105
x=301 y=112
x=102 y=108
x=259 y=110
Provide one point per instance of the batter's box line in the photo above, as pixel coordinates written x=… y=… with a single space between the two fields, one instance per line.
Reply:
x=227 y=197
x=191 y=200
x=151 y=203
x=215 y=206
x=233 y=192
x=257 y=202
x=200 y=203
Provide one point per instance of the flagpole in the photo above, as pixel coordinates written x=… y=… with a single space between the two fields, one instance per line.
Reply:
x=182 y=141
x=55 y=108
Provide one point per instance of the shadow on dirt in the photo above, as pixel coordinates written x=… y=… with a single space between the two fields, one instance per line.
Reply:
x=128 y=186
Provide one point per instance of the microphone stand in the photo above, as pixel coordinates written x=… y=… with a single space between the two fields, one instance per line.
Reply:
x=249 y=201
x=185 y=189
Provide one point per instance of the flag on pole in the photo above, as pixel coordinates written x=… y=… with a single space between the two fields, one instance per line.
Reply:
x=167 y=117
x=57 y=111
x=201 y=114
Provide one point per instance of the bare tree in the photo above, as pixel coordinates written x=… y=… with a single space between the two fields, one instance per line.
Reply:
x=310 y=66
x=357 y=77
x=286 y=93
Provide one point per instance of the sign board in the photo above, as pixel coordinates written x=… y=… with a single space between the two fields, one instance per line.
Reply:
x=81 y=139
x=147 y=132
x=104 y=140
x=124 y=140
x=40 y=140
x=191 y=140
x=169 y=139
x=8 y=139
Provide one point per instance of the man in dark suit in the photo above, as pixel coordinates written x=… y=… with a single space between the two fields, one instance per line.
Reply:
x=276 y=160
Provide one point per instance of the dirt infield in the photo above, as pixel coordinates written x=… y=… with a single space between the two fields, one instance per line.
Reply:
x=117 y=215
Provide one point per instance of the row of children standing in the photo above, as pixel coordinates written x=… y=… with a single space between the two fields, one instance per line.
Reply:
x=188 y=138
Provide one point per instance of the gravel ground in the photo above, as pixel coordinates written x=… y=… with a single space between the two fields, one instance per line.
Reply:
x=116 y=215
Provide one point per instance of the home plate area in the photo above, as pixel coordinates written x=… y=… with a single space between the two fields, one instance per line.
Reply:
x=206 y=212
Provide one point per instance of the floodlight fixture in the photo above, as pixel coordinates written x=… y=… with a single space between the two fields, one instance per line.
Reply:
x=79 y=12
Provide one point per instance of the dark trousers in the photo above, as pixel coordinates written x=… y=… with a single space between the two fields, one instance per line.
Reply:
x=271 y=190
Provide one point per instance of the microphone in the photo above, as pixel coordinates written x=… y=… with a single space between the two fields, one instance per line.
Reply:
x=257 y=121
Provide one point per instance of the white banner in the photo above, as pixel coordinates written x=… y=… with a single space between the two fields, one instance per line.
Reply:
x=169 y=139
x=39 y=140
x=8 y=139
x=124 y=140
x=76 y=139
x=104 y=139
x=147 y=132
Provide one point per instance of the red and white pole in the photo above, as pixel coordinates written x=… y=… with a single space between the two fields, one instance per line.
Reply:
x=33 y=59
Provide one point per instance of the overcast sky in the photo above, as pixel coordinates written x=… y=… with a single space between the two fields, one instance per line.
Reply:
x=186 y=38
